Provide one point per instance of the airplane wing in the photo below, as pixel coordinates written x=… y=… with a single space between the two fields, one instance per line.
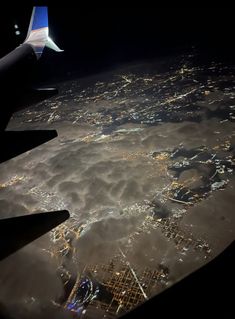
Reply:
x=17 y=232
x=14 y=143
x=38 y=32
x=16 y=92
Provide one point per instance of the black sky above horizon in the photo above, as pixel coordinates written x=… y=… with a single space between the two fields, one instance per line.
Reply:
x=95 y=37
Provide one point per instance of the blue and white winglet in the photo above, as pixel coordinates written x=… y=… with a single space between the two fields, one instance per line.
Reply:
x=38 y=32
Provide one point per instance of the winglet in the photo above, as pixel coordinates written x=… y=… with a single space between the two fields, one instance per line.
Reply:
x=38 y=32
x=51 y=44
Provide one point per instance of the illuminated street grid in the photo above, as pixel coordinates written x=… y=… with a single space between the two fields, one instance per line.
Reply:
x=127 y=105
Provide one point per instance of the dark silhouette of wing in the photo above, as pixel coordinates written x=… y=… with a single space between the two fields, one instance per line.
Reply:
x=16 y=85
x=17 y=232
x=14 y=143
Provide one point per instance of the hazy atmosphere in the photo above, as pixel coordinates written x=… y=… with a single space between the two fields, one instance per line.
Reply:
x=144 y=162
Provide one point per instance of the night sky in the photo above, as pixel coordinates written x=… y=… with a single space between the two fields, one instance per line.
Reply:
x=96 y=37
